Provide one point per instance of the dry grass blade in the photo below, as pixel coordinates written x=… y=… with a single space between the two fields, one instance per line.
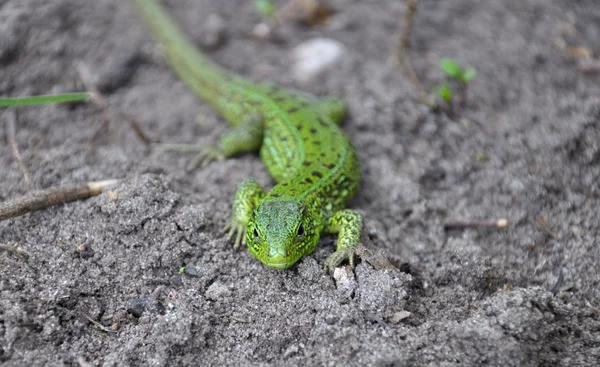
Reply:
x=97 y=324
x=11 y=123
x=377 y=260
x=410 y=10
x=14 y=249
x=99 y=100
x=500 y=224
x=82 y=363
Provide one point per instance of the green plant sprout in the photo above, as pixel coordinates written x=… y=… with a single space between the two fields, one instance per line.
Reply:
x=454 y=71
x=266 y=8
x=43 y=99
x=445 y=92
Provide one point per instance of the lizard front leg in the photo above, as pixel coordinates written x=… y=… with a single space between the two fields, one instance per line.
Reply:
x=348 y=225
x=249 y=194
x=247 y=137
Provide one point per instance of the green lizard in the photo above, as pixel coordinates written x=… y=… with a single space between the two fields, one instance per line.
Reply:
x=314 y=165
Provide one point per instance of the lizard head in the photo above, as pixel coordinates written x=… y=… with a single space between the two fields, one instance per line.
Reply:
x=280 y=232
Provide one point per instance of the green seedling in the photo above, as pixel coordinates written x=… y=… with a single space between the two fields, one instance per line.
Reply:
x=266 y=8
x=445 y=92
x=454 y=71
x=44 y=99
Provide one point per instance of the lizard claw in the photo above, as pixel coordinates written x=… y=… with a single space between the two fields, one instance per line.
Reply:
x=207 y=155
x=237 y=230
x=337 y=258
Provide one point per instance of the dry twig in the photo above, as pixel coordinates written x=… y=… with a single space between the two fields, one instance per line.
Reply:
x=544 y=223
x=410 y=10
x=595 y=310
x=98 y=325
x=82 y=363
x=11 y=122
x=55 y=195
x=377 y=260
x=500 y=223
x=403 y=59
x=99 y=100
x=15 y=249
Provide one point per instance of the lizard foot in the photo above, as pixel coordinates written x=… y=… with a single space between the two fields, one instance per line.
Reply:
x=207 y=155
x=237 y=230
x=337 y=258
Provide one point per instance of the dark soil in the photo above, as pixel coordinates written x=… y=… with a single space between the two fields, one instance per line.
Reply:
x=526 y=147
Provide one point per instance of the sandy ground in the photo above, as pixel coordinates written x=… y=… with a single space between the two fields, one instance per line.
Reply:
x=526 y=147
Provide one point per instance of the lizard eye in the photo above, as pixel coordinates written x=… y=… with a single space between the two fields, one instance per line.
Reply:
x=300 y=230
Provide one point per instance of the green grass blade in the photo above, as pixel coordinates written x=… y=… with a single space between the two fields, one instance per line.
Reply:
x=44 y=99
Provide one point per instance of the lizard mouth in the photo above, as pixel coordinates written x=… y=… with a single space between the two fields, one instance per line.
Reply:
x=279 y=264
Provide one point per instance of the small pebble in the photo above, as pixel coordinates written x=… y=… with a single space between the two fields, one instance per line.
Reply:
x=137 y=306
x=346 y=284
x=261 y=31
x=192 y=272
x=399 y=316
x=314 y=56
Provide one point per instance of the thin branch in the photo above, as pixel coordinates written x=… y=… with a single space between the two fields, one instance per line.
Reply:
x=55 y=195
x=99 y=100
x=413 y=76
x=410 y=10
x=377 y=260
x=500 y=223
x=14 y=249
x=11 y=122
x=82 y=363
x=402 y=58
x=543 y=223
x=98 y=325
x=137 y=129
x=595 y=310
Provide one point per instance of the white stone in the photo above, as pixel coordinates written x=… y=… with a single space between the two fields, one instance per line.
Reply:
x=314 y=56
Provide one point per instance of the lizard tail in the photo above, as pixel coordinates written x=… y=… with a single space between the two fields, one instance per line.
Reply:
x=207 y=79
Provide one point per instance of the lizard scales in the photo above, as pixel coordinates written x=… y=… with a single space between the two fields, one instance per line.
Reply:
x=314 y=165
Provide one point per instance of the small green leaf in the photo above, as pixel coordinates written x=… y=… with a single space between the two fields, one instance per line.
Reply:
x=45 y=99
x=266 y=8
x=445 y=92
x=468 y=74
x=451 y=68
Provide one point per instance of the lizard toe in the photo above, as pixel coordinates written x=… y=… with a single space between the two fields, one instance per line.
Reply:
x=335 y=259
